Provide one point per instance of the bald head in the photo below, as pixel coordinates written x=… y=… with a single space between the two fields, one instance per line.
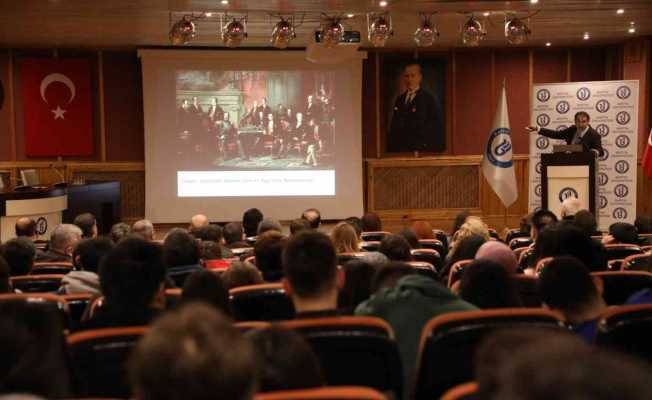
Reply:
x=144 y=228
x=198 y=221
x=570 y=207
x=499 y=253
x=26 y=227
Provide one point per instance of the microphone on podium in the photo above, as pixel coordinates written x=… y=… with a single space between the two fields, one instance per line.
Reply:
x=62 y=179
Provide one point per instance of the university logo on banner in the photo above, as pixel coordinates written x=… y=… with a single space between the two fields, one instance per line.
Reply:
x=57 y=108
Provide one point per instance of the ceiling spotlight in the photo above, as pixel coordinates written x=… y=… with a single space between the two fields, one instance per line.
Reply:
x=331 y=32
x=182 y=32
x=620 y=11
x=208 y=14
x=586 y=36
x=516 y=32
x=224 y=2
x=383 y=3
x=426 y=33
x=548 y=44
x=534 y=1
x=631 y=30
x=380 y=29
x=486 y=13
x=282 y=34
x=234 y=33
x=472 y=32
x=350 y=15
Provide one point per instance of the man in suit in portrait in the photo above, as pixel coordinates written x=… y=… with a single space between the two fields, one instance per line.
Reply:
x=414 y=124
x=580 y=133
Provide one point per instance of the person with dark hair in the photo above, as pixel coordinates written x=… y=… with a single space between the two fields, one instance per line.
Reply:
x=26 y=227
x=423 y=230
x=487 y=284
x=86 y=258
x=268 y=251
x=181 y=255
x=621 y=233
x=581 y=133
x=565 y=285
x=119 y=231
x=63 y=240
x=313 y=216
x=269 y=224
x=356 y=223
x=460 y=219
x=144 y=228
x=396 y=248
x=207 y=287
x=88 y=225
x=250 y=220
x=465 y=250
x=234 y=236
x=209 y=251
x=312 y=278
x=132 y=278
x=371 y=222
x=19 y=254
x=210 y=232
x=585 y=220
x=540 y=220
x=567 y=239
x=357 y=284
x=284 y=360
x=241 y=273
x=298 y=225
x=410 y=236
x=387 y=275
x=5 y=273
x=193 y=352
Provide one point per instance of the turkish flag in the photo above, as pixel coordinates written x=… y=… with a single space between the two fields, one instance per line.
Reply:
x=57 y=109
x=647 y=157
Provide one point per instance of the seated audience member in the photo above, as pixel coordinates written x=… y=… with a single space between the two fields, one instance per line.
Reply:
x=540 y=220
x=86 y=258
x=198 y=221
x=284 y=360
x=241 y=274
x=207 y=287
x=88 y=225
x=460 y=219
x=395 y=248
x=643 y=224
x=312 y=278
x=181 y=255
x=585 y=220
x=5 y=273
x=465 y=249
x=371 y=222
x=387 y=275
x=358 y=276
x=487 y=284
x=119 y=231
x=250 y=221
x=32 y=345
x=194 y=353
x=268 y=251
x=26 y=227
x=63 y=240
x=132 y=279
x=144 y=228
x=566 y=239
x=411 y=237
x=356 y=223
x=213 y=234
x=407 y=307
x=565 y=285
x=209 y=251
x=269 y=224
x=344 y=238
x=298 y=225
x=499 y=253
x=423 y=230
x=234 y=236
x=19 y=254
x=621 y=233
x=570 y=207
x=313 y=216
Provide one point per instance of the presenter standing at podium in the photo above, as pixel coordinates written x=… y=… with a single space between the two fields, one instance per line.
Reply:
x=580 y=133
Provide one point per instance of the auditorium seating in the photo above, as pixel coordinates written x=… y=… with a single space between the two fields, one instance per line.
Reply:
x=37 y=283
x=243 y=252
x=343 y=258
x=47 y=268
x=428 y=255
x=619 y=285
x=433 y=244
x=50 y=303
x=620 y=251
x=627 y=329
x=449 y=341
x=77 y=304
x=637 y=262
x=357 y=351
x=424 y=268
x=373 y=236
x=465 y=391
x=455 y=274
x=324 y=393
x=515 y=233
x=519 y=242
x=246 y=326
x=370 y=245
x=98 y=361
x=265 y=302
x=541 y=264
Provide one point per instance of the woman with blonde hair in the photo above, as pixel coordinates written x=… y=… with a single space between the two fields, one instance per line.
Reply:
x=472 y=226
x=344 y=238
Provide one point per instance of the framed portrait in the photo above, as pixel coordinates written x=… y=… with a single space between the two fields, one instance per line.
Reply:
x=414 y=103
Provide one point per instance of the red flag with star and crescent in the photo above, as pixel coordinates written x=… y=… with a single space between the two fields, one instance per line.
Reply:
x=646 y=161
x=57 y=109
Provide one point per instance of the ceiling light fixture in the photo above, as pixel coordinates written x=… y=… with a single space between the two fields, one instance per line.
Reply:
x=586 y=36
x=426 y=34
x=283 y=33
x=183 y=31
x=234 y=32
x=534 y=1
x=472 y=32
x=224 y=2
x=516 y=31
x=383 y=3
x=548 y=44
x=331 y=31
x=208 y=14
x=486 y=13
x=620 y=11
x=379 y=28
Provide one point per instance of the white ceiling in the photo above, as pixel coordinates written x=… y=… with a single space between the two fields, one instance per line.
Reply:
x=132 y=23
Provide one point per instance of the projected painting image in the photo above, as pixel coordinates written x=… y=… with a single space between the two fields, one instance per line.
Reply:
x=255 y=120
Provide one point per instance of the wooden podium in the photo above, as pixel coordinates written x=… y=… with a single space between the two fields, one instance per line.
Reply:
x=568 y=174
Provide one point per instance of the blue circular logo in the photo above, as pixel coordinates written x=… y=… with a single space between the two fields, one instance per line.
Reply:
x=543 y=95
x=583 y=93
x=537 y=167
x=602 y=129
x=621 y=166
x=622 y=141
x=603 y=179
x=537 y=190
x=619 y=213
x=605 y=155
x=499 y=148
x=562 y=107
x=542 y=142
x=41 y=226
x=623 y=92
x=566 y=193
x=543 y=120
x=561 y=127
x=623 y=118
x=621 y=190
x=602 y=106
x=603 y=202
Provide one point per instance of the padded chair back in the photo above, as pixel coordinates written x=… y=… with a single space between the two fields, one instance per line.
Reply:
x=370 y=245
x=50 y=303
x=99 y=358
x=373 y=236
x=465 y=391
x=637 y=262
x=343 y=258
x=357 y=351
x=172 y=297
x=425 y=268
x=620 y=251
x=627 y=329
x=37 y=283
x=519 y=242
x=42 y=245
x=619 y=285
x=220 y=265
x=456 y=271
x=541 y=264
x=443 y=238
x=433 y=244
x=247 y=326
x=449 y=342
x=493 y=234
x=243 y=252
x=324 y=393
x=46 y=268
x=265 y=302
x=526 y=286
x=515 y=233
x=77 y=304
x=429 y=256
